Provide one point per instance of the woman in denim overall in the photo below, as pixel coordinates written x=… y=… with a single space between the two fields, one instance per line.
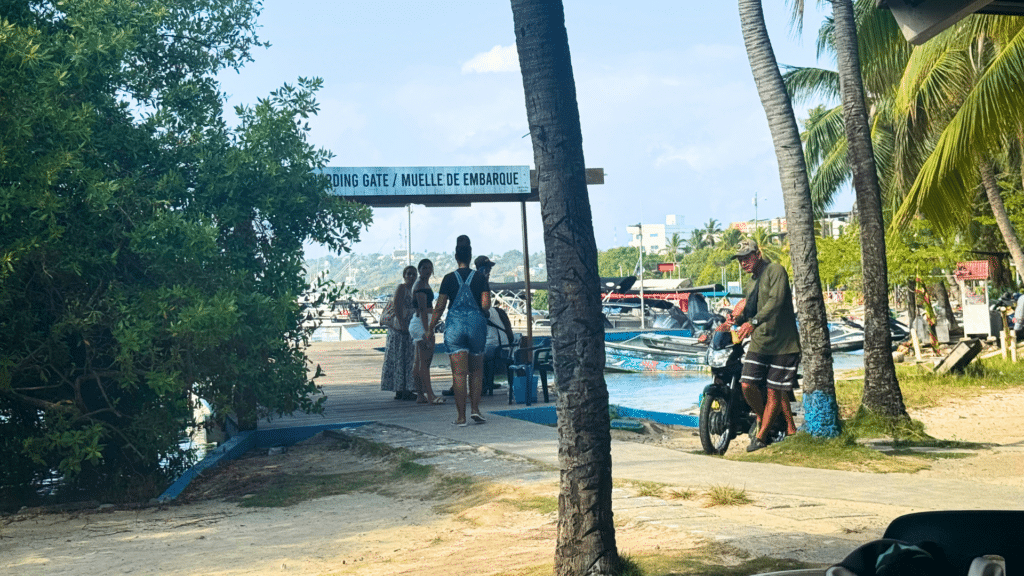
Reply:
x=465 y=332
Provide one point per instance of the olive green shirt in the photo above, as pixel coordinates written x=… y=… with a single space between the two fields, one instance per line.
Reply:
x=775 y=329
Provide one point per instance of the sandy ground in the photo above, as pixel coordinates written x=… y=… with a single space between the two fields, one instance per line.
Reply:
x=411 y=527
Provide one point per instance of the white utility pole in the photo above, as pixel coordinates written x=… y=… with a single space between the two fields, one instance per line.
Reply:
x=408 y=236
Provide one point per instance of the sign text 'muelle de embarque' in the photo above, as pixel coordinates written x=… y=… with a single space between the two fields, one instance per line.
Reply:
x=429 y=180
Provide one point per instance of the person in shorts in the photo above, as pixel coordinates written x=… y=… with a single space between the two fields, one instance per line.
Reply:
x=771 y=361
x=468 y=298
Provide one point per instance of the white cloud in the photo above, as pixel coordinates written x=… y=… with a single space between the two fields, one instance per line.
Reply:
x=498 y=59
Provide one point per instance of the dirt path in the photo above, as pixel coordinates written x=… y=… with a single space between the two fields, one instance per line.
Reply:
x=408 y=526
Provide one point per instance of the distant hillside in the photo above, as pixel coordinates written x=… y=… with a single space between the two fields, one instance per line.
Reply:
x=375 y=275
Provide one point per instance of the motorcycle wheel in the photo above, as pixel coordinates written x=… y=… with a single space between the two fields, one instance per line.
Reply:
x=715 y=425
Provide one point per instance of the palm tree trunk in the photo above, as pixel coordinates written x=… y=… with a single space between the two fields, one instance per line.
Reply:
x=821 y=415
x=995 y=200
x=586 y=533
x=882 y=392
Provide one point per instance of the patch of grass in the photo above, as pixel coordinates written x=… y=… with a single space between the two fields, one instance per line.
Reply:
x=684 y=494
x=931 y=455
x=923 y=388
x=401 y=469
x=842 y=453
x=628 y=566
x=710 y=559
x=724 y=495
x=410 y=470
x=865 y=424
x=288 y=489
x=651 y=489
x=346 y=441
x=642 y=488
x=459 y=492
x=539 y=504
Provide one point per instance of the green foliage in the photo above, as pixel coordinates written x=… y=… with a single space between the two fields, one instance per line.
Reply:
x=916 y=251
x=621 y=261
x=150 y=256
x=540 y=300
x=839 y=259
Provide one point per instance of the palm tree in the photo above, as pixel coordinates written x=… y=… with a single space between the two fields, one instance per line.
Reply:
x=882 y=393
x=970 y=79
x=673 y=246
x=710 y=230
x=695 y=241
x=586 y=531
x=731 y=237
x=771 y=244
x=916 y=98
x=819 y=383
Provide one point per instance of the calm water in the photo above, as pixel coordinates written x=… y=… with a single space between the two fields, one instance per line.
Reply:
x=670 y=392
x=677 y=393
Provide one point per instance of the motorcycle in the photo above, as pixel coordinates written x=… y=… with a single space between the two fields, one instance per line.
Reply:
x=724 y=413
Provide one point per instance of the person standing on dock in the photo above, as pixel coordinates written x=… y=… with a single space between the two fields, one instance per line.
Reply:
x=465 y=331
x=397 y=371
x=772 y=359
x=499 y=327
x=422 y=338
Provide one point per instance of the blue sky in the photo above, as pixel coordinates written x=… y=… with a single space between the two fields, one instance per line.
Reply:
x=667 y=104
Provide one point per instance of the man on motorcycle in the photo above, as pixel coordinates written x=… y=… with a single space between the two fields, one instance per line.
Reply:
x=772 y=359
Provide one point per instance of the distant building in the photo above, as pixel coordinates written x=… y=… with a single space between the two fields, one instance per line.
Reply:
x=655 y=236
x=770 y=225
x=832 y=225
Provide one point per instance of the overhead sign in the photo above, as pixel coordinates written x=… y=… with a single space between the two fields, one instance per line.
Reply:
x=424 y=183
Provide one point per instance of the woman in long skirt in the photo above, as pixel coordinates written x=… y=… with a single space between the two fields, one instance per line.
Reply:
x=396 y=374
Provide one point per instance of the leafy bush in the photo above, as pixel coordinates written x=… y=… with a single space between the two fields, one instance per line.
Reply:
x=150 y=256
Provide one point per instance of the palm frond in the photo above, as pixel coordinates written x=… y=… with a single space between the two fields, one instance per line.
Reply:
x=883 y=143
x=934 y=84
x=825 y=45
x=994 y=107
x=823 y=129
x=933 y=74
x=796 y=18
x=830 y=176
x=883 y=50
x=805 y=84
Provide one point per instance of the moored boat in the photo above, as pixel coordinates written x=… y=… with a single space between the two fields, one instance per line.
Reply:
x=846 y=335
x=656 y=353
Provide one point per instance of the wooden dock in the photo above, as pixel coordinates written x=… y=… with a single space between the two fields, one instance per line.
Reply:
x=352 y=386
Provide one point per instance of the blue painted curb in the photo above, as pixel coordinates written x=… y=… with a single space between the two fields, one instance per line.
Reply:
x=242 y=443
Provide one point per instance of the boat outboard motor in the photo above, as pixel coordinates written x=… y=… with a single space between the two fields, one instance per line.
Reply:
x=698 y=310
x=674 y=319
